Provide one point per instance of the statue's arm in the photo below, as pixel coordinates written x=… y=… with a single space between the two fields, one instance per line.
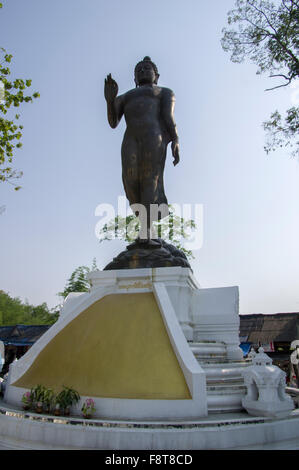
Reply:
x=167 y=111
x=115 y=111
x=114 y=102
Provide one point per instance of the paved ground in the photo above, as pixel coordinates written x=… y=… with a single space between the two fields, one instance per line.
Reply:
x=292 y=444
x=10 y=444
x=286 y=445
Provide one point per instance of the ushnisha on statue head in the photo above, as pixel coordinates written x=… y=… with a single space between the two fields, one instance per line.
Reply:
x=146 y=72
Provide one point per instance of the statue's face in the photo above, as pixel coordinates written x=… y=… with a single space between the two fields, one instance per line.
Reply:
x=145 y=74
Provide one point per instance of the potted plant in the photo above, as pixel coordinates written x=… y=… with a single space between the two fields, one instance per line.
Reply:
x=71 y=397
x=59 y=403
x=88 y=408
x=48 y=399
x=38 y=397
x=57 y=408
x=27 y=400
x=66 y=398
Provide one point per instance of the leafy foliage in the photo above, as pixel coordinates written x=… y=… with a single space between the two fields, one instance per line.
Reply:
x=38 y=393
x=172 y=228
x=12 y=94
x=13 y=311
x=282 y=133
x=268 y=34
x=48 y=397
x=78 y=281
x=67 y=397
x=27 y=398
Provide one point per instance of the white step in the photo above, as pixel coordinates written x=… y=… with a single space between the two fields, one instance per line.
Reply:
x=225 y=384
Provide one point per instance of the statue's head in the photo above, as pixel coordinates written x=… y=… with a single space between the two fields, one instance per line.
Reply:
x=146 y=72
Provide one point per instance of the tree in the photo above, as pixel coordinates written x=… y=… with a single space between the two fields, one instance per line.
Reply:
x=12 y=94
x=268 y=34
x=13 y=311
x=172 y=228
x=78 y=280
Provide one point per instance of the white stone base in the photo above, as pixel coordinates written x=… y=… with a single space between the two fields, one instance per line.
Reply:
x=189 y=312
x=203 y=329
x=238 y=431
x=123 y=282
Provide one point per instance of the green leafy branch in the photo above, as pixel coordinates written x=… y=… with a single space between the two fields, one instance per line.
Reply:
x=283 y=132
x=267 y=33
x=12 y=94
x=172 y=228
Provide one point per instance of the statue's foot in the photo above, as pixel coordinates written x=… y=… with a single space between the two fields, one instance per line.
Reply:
x=152 y=243
x=141 y=241
x=144 y=243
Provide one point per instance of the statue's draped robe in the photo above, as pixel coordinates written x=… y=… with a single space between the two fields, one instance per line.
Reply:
x=142 y=172
x=150 y=127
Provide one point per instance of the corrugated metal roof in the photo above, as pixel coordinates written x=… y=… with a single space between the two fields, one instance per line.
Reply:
x=22 y=334
x=279 y=327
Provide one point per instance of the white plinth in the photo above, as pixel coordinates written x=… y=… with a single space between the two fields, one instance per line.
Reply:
x=202 y=327
x=162 y=282
x=189 y=313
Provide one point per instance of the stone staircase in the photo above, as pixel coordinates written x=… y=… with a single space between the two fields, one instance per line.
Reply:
x=225 y=385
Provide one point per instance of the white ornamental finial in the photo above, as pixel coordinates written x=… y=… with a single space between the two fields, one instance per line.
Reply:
x=261 y=359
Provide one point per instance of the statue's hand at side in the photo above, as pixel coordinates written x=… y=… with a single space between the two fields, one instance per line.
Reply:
x=110 y=89
x=175 y=152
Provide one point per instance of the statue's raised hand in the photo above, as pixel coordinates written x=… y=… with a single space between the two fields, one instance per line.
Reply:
x=175 y=152
x=111 y=89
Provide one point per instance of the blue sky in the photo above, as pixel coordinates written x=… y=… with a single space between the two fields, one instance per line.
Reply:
x=71 y=157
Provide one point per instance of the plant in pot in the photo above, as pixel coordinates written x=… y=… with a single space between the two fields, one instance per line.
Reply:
x=71 y=397
x=38 y=397
x=48 y=399
x=27 y=400
x=59 y=403
x=88 y=408
x=57 y=408
x=66 y=398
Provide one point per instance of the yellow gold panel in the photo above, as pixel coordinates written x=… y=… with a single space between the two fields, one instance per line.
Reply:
x=116 y=348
